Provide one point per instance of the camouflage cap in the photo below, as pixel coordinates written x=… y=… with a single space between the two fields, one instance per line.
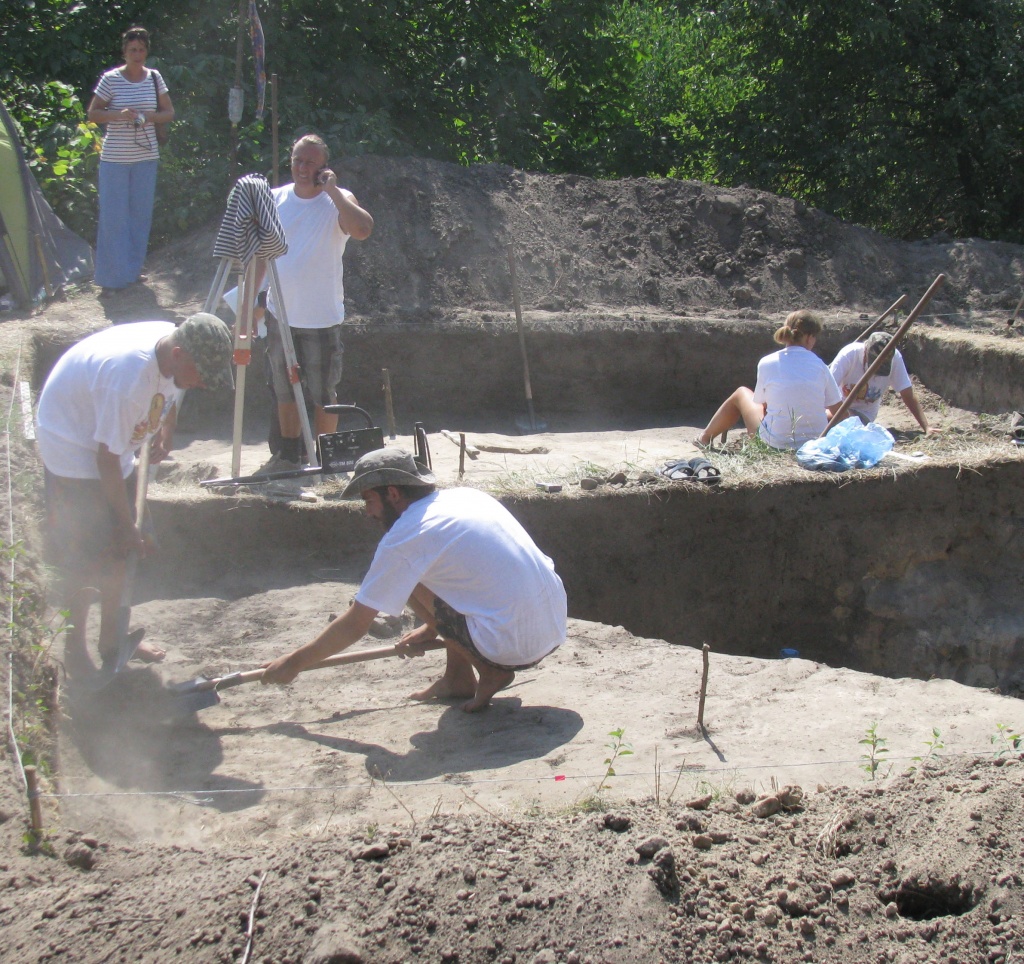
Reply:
x=875 y=345
x=386 y=467
x=208 y=340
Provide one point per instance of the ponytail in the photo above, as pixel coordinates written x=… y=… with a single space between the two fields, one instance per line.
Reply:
x=798 y=327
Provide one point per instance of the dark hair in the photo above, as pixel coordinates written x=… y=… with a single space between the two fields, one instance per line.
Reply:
x=409 y=492
x=135 y=33
x=799 y=325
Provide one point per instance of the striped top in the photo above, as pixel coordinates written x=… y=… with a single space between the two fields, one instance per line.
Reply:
x=251 y=226
x=125 y=143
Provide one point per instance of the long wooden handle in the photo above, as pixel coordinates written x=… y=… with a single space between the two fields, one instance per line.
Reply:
x=339 y=659
x=142 y=482
x=878 y=322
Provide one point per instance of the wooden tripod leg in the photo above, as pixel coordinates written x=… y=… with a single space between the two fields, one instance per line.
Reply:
x=292 y=363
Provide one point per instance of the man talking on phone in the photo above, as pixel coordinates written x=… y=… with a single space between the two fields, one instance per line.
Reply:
x=318 y=218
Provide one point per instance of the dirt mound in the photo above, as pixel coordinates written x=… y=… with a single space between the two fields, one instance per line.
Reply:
x=660 y=247
x=925 y=869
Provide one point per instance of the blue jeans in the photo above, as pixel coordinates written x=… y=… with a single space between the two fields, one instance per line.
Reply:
x=126 y=214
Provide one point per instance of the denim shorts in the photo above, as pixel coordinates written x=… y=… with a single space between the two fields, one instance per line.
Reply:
x=320 y=355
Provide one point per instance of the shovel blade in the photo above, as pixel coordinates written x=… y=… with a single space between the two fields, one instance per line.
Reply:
x=193 y=701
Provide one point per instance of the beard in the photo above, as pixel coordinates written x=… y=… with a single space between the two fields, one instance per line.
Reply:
x=390 y=515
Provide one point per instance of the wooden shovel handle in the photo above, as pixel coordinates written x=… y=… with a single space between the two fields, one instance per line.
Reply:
x=339 y=659
x=880 y=320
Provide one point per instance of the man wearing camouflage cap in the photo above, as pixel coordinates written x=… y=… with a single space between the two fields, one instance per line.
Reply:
x=853 y=361
x=106 y=397
x=464 y=565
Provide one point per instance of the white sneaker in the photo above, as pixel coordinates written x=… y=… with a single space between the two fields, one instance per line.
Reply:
x=283 y=489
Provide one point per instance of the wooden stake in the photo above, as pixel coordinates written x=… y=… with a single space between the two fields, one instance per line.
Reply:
x=462 y=454
x=517 y=304
x=703 y=687
x=35 y=808
x=388 y=403
x=274 y=144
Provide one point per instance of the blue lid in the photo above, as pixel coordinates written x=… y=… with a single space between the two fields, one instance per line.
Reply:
x=789 y=653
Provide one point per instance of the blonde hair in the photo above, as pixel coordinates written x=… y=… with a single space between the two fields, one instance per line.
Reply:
x=798 y=327
x=317 y=141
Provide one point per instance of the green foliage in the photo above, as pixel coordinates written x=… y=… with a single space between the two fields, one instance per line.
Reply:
x=1005 y=740
x=933 y=748
x=908 y=117
x=876 y=750
x=904 y=116
x=62 y=148
x=32 y=636
x=618 y=748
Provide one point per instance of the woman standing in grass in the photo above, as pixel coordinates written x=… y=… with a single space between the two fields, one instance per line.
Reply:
x=130 y=100
x=793 y=391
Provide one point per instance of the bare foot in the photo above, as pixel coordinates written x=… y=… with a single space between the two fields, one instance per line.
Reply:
x=447 y=688
x=491 y=680
x=148 y=653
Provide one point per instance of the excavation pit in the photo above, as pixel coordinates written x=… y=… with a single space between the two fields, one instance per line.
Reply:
x=908 y=570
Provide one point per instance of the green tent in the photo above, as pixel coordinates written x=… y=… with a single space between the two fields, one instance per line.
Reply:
x=39 y=254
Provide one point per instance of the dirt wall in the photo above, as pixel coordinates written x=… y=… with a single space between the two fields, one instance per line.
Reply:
x=636 y=375
x=909 y=575
x=609 y=371
x=983 y=374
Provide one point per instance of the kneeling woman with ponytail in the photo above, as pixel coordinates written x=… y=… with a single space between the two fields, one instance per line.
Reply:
x=794 y=389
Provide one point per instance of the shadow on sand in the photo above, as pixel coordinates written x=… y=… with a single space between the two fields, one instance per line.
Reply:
x=501 y=736
x=132 y=736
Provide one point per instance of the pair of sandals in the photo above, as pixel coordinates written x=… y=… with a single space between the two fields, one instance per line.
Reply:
x=1017 y=428
x=696 y=469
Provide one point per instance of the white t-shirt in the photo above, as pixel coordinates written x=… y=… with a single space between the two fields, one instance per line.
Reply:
x=797 y=387
x=106 y=389
x=312 y=270
x=848 y=368
x=124 y=142
x=469 y=550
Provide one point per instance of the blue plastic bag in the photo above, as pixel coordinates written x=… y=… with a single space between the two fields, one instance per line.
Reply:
x=849 y=445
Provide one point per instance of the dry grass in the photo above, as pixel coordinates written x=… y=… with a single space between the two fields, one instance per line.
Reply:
x=966 y=439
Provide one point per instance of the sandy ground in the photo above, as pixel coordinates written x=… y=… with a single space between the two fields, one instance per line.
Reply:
x=336 y=820
x=345 y=747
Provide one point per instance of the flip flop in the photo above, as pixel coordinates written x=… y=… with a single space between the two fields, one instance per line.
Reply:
x=677 y=470
x=701 y=470
x=1017 y=426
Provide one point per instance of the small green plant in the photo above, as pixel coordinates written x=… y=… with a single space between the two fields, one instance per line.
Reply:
x=618 y=748
x=1005 y=740
x=41 y=843
x=933 y=748
x=874 y=755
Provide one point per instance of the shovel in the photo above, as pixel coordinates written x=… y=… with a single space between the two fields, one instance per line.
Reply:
x=200 y=693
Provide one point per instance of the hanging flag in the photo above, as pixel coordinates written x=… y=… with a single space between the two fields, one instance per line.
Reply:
x=258 y=56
